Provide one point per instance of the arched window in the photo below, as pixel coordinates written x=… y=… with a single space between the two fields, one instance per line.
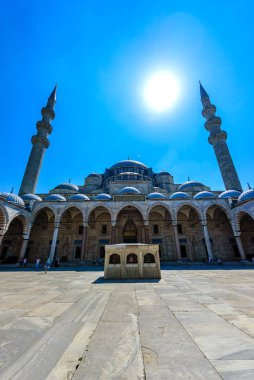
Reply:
x=114 y=259
x=131 y=258
x=149 y=258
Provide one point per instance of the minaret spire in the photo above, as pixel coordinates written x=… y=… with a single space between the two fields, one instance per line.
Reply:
x=40 y=144
x=218 y=139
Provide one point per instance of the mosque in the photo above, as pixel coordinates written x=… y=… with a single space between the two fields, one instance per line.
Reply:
x=128 y=203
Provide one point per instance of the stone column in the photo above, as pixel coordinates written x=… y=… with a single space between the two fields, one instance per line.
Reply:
x=178 y=249
x=113 y=234
x=23 y=247
x=147 y=237
x=240 y=246
x=83 y=245
x=1 y=239
x=207 y=241
x=54 y=240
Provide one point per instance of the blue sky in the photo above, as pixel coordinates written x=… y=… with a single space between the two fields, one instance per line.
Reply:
x=100 y=54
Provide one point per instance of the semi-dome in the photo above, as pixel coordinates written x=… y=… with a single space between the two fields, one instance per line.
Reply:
x=230 y=194
x=191 y=185
x=102 y=197
x=67 y=186
x=129 y=190
x=179 y=195
x=12 y=198
x=31 y=197
x=79 y=197
x=128 y=163
x=246 y=195
x=204 y=194
x=55 y=197
x=156 y=195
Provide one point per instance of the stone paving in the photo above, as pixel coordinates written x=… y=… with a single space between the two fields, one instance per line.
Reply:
x=192 y=324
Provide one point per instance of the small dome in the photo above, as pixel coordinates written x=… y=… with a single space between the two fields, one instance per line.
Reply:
x=67 y=186
x=79 y=197
x=191 y=184
x=103 y=197
x=129 y=190
x=31 y=197
x=12 y=198
x=128 y=163
x=204 y=194
x=156 y=196
x=246 y=195
x=55 y=197
x=179 y=195
x=230 y=194
x=163 y=173
x=94 y=175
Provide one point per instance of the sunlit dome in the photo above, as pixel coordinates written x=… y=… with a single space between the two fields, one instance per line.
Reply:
x=179 y=195
x=230 y=194
x=204 y=194
x=129 y=190
x=246 y=195
x=156 y=195
x=31 y=197
x=128 y=163
x=12 y=198
x=55 y=197
x=191 y=185
x=67 y=186
x=79 y=198
x=103 y=197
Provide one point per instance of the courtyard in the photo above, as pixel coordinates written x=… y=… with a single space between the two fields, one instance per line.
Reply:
x=72 y=324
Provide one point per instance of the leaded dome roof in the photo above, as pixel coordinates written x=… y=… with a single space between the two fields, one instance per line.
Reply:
x=204 y=194
x=230 y=194
x=128 y=163
x=67 y=186
x=79 y=197
x=246 y=195
x=129 y=190
x=103 y=197
x=12 y=198
x=191 y=184
x=55 y=197
x=31 y=197
x=179 y=195
x=156 y=195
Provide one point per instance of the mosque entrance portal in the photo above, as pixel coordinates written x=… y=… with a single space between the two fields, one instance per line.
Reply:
x=130 y=232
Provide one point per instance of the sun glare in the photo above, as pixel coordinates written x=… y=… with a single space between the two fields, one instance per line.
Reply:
x=161 y=91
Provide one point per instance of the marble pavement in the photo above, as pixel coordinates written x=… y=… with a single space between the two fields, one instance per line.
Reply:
x=191 y=324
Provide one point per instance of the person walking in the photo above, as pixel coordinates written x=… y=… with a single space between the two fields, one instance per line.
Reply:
x=37 y=263
x=25 y=262
x=47 y=265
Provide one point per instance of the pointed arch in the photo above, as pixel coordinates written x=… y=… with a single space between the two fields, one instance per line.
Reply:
x=125 y=206
x=186 y=204
x=99 y=204
x=155 y=204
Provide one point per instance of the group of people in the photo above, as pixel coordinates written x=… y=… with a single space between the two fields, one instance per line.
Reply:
x=47 y=265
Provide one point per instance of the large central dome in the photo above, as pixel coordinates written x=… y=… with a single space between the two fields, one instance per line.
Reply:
x=127 y=164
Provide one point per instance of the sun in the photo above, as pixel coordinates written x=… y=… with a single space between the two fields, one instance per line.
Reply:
x=161 y=91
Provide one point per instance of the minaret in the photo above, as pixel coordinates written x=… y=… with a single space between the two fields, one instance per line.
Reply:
x=218 y=139
x=40 y=144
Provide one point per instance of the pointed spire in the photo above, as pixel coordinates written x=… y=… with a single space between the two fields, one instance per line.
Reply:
x=249 y=186
x=203 y=92
x=53 y=94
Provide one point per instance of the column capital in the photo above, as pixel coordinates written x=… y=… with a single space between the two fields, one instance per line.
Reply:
x=237 y=234
x=113 y=223
x=56 y=225
x=203 y=223
x=174 y=223
x=85 y=224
